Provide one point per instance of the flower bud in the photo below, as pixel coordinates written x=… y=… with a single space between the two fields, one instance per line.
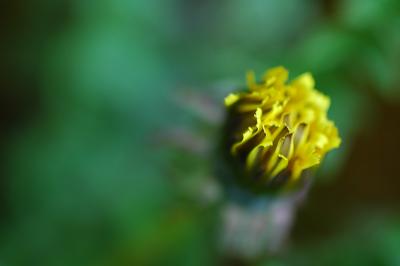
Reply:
x=276 y=130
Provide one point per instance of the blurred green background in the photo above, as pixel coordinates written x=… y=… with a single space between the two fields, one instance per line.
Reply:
x=87 y=87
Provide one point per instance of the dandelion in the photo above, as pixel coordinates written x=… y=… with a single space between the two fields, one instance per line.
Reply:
x=276 y=130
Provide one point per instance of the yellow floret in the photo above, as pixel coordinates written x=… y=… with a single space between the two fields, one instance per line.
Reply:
x=282 y=126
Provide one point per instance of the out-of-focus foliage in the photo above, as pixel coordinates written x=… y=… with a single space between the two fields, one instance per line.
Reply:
x=87 y=87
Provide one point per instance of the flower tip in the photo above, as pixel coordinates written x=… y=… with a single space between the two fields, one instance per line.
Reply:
x=305 y=80
x=251 y=79
x=231 y=99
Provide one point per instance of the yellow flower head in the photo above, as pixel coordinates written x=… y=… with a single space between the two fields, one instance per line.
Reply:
x=276 y=130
